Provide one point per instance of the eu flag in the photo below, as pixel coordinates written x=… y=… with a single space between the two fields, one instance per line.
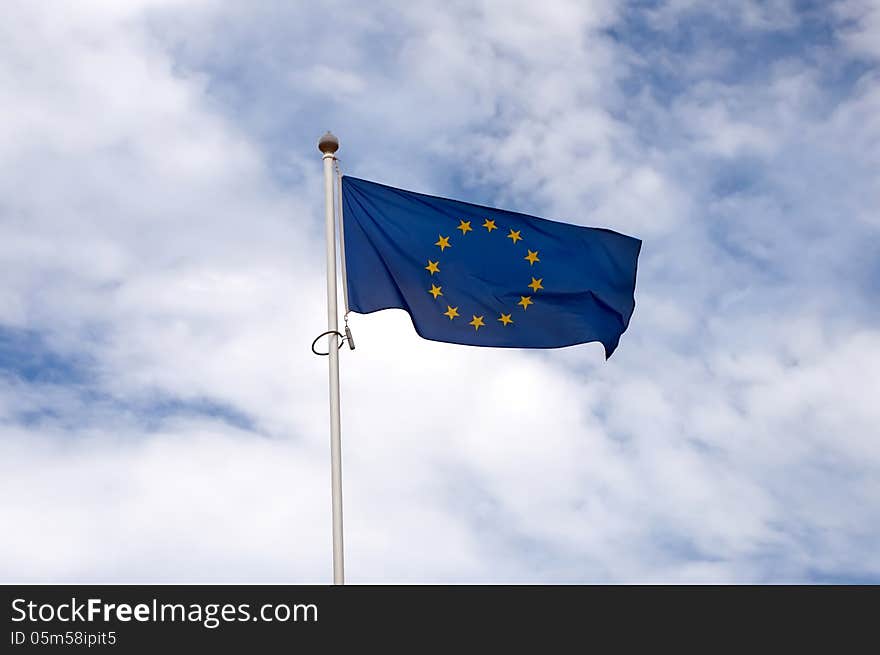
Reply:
x=480 y=276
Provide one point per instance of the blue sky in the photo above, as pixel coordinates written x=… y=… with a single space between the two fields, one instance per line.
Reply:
x=161 y=417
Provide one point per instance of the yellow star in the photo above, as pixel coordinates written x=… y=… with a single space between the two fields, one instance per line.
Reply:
x=435 y=291
x=536 y=284
x=532 y=257
x=451 y=312
x=464 y=226
x=514 y=234
x=505 y=318
x=477 y=323
x=432 y=267
x=443 y=243
x=525 y=302
x=489 y=225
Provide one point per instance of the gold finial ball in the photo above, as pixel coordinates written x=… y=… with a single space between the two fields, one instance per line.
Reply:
x=328 y=143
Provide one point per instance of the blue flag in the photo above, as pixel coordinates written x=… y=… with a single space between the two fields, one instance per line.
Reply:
x=485 y=277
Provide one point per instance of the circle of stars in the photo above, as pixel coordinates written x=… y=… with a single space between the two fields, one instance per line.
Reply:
x=477 y=322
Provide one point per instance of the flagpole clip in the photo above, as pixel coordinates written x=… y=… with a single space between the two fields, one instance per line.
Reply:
x=324 y=334
x=343 y=338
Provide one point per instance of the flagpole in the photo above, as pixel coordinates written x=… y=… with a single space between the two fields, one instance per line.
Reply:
x=328 y=145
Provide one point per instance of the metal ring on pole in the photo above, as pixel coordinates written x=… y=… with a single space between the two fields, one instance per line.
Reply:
x=324 y=334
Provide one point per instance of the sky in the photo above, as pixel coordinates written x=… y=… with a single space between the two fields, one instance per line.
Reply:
x=162 y=418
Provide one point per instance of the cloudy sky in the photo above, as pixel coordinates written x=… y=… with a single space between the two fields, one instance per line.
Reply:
x=162 y=418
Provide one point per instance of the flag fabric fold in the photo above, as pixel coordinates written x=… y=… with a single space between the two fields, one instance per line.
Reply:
x=480 y=276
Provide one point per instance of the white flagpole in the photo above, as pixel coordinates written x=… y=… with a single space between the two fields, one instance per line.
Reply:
x=329 y=144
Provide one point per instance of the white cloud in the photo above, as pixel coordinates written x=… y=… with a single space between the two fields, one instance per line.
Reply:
x=860 y=30
x=757 y=15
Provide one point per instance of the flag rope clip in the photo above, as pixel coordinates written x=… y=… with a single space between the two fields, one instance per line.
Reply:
x=343 y=338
